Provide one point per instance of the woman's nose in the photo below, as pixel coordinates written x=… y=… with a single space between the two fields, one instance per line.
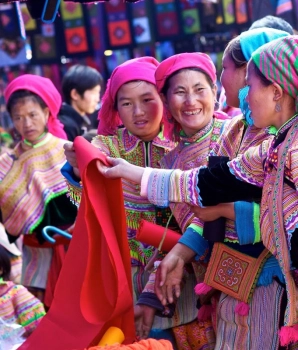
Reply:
x=138 y=110
x=190 y=99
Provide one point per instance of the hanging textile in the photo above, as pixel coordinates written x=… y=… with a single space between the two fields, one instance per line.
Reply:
x=228 y=10
x=283 y=6
x=190 y=17
x=75 y=31
x=117 y=23
x=12 y=36
x=241 y=11
x=140 y=23
x=166 y=18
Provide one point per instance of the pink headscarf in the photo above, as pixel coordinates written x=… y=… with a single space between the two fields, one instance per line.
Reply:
x=142 y=68
x=173 y=64
x=45 y=89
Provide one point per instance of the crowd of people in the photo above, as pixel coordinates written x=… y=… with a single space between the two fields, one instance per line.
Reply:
x=222 y=175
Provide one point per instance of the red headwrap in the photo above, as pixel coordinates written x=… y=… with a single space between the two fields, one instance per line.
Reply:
x=173 y=64
x=142 y=68
x=46 y=90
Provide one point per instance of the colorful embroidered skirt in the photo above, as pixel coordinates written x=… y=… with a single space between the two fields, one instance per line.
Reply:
x=259 y=329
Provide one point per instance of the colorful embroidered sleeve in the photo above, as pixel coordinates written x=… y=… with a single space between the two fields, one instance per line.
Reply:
x=200 y=186
x=165 y=186
x=74 y=186
x=196 y=242
x=247 y=222
x=292 y=164
x=249 y=166
x=109 y=145
x=28 y=308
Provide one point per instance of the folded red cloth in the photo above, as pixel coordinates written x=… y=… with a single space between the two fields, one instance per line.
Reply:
x=152 y=234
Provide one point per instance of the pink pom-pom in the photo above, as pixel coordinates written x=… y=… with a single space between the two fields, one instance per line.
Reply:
x=202 y=288
x=242 y=309
x=288 y=335
x=204 y=312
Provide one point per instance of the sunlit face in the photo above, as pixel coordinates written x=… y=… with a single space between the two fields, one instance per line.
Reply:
x=232 y=79
x=260 y=99
x=87 y=103
x=29 y=118
x=190 y=99
x=140 y=109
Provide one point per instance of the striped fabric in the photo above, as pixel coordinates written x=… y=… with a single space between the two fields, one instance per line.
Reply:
x=191 y=153
x=36 y=266
x=259 y=329
x=283 y=6
x=278 y=61
x=17 y=305
x=28 y=181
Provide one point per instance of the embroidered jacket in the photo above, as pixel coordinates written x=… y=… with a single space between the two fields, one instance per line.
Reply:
x=30 y=184
x=17 y=305
x=131 y=148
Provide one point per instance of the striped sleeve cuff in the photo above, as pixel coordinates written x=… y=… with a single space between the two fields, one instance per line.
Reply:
x=247 y=222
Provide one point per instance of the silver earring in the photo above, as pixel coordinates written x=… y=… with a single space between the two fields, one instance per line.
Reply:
x=277 y=107
x=216 y=105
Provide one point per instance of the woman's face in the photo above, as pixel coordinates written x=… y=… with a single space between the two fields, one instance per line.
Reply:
x=260 y=99
x=140 y=109
x=29 y=118
x=190 y=99
x=232 y=79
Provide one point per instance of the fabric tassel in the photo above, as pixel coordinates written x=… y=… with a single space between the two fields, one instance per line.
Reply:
x=204 y=312
x=202 y=288
x=288 y=335
x=242 y=308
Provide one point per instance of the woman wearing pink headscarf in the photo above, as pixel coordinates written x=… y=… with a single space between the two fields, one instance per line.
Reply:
x=32 y=189
x=187 y=84
x=130 y=127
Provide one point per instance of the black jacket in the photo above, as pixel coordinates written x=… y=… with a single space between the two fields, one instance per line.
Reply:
x=74 y=124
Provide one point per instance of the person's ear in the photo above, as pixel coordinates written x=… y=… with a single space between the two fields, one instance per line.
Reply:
x=214 y=89
x=74 y=95
x=277 y=92
x=46 y=113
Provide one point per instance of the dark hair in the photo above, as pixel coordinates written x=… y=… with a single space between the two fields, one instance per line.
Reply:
x=273 y=22
x=18 y=95
x=234 y=51
x=266 y=82
x=5 y=264
x=81 y=78
x=166 y=86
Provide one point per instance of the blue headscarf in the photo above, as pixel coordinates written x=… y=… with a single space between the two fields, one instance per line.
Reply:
x=250 y=41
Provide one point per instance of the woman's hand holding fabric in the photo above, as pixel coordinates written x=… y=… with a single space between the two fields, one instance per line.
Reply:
x=121 y=168
x=144 y=317
x=71 y=157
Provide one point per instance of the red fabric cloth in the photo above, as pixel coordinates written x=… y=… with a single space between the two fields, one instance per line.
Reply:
x=94 y=289
x=152 y=234
x=46 y=90
x=142 y=68
x=59 y=253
